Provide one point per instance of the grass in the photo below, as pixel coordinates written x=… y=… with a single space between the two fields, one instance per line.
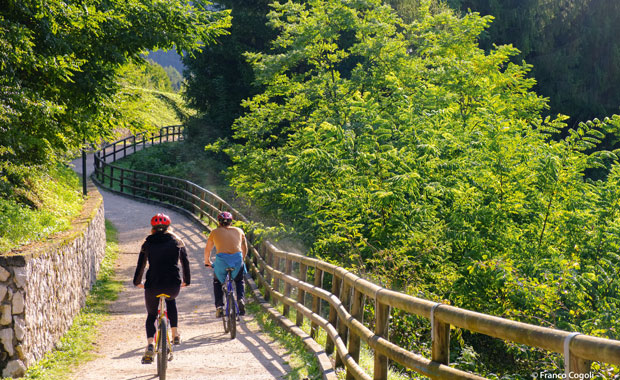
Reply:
x=45 y=205
x=367 y=363
x=75 y=347
x=152 y=107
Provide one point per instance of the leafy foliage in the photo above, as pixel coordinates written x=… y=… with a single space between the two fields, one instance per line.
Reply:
x=405 y=151
x=58 y=61
x=176 y=79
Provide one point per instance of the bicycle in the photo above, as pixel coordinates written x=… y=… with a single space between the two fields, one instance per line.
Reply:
x=162 y=338
x=230 y=313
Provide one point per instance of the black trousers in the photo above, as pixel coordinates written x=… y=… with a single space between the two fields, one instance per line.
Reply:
x=152 y=302
x=219 y=293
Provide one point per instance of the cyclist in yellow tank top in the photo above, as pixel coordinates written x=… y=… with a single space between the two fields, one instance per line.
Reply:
x=231 y=248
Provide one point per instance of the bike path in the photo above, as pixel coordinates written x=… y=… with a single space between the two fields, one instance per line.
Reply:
x=205 y=352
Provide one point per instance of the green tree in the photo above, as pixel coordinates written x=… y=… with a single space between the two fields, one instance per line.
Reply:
x=219 y=78
x=176 y=79
x=58 y=61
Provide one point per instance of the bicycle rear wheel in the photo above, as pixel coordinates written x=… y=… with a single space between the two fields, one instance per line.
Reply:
x=232 y=316
x=162 y=350
x=225 y=316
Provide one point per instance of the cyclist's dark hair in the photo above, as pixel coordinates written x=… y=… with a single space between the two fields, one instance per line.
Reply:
x=160 y=228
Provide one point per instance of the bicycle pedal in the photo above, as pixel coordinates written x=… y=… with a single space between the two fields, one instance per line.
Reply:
x=147 y=361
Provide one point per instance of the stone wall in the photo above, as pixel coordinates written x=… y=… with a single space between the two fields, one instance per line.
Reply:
x=44 y=285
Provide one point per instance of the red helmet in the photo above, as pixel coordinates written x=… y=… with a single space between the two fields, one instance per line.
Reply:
x=224 y=217
x=160 y=220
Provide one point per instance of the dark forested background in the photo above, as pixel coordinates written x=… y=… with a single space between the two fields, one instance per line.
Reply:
x=219 y=78
x=572 y=45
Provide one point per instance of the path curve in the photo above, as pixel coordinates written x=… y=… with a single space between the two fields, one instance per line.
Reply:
x=205 y=351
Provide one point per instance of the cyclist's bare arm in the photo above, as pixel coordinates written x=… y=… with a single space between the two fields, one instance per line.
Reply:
x=244 y=246
x=208 y=250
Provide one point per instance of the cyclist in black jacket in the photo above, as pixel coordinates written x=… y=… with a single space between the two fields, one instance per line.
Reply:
x=163 y=250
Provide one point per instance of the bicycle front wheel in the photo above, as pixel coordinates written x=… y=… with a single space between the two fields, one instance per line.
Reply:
x=162 y=350
x=232 y=316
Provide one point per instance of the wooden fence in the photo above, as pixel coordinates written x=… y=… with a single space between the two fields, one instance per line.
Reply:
x=281 y=274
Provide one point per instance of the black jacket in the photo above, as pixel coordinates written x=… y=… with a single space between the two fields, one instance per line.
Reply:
x=163 y=251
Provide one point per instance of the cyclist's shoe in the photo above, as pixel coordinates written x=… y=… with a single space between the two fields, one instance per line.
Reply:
x=241 y=304
x=176 y=340
x=219 y=312
x=148 y=355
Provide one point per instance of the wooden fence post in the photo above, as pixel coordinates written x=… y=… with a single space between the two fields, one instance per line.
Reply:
x=382 y=314
x=440 y=338
x=202 y=198
x=133 y=184
x=343 y=330
x=579 y=366
x=574 y=365
x=267 y=258
x=301 y=295
x=97 y=165
x=316 y=301
x=357 y=312
x=161 y=188
x=287 y=287
x=261 y=252
x=275 y=263
x=333 y=315
x=197 y=205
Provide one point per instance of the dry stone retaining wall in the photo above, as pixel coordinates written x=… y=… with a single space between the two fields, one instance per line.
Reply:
x=44 y=285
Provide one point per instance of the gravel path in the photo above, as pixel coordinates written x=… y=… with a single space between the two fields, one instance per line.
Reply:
x=205 y=351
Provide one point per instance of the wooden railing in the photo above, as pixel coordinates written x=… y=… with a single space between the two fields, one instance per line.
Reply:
x=279 y=273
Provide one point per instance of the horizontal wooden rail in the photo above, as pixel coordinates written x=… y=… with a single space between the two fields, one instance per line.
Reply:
x=344 y=326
